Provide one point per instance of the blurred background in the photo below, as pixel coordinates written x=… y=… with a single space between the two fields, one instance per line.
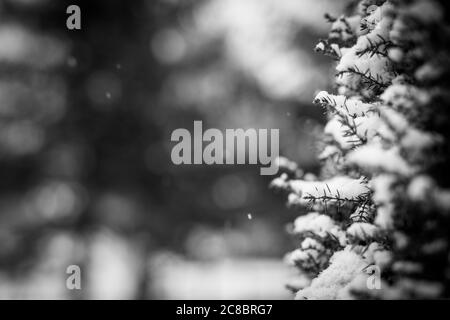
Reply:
x=85 y=123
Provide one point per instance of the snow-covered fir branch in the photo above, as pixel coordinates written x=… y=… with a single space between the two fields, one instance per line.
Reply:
x=387 y=201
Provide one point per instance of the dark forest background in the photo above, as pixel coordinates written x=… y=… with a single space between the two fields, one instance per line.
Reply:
x=85 y=123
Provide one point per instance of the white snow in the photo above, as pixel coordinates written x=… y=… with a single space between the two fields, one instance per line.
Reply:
x=329 y=151
x=384 y=218
x=341 y=187
x=320 y=46
x=310 y=243
x=311 y=254
x=340 y=29
x=382 y=187
x=428 y=71
x=344 y=266
x=396 y=54
x=348 y=106
x=280 y=182
x=379 y=34
x=382 y=258
x=365 y=127
x=285 y=163
x=376 y=65
x=375 y=157
x=400 y=95
x=319 y=224
x=362 y=231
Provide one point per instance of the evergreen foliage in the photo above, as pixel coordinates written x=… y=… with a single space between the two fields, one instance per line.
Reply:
x=381 y=199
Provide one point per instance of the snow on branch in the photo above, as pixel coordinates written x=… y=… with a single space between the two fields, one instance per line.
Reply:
x=381 y=198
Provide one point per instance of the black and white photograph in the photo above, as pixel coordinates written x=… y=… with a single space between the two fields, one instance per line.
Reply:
x=240 y=150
